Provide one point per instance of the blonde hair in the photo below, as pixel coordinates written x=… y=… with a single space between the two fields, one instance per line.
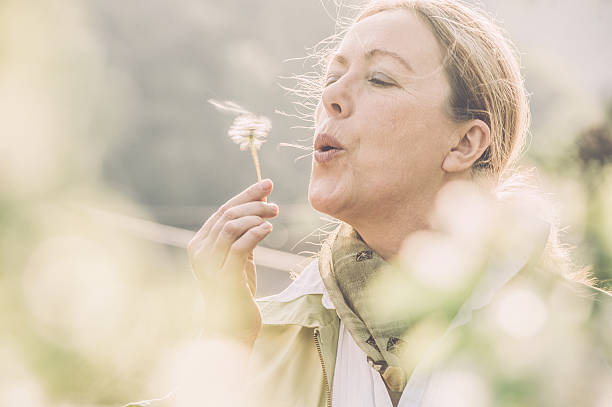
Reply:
x=482 y=67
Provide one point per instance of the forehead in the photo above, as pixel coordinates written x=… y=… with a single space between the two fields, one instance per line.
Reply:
x=399 y=31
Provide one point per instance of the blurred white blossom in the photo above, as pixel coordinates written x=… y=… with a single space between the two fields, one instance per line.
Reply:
x=521 y=313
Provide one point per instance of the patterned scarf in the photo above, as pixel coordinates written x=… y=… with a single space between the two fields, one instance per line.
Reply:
x=350 y=271
x=348 y=266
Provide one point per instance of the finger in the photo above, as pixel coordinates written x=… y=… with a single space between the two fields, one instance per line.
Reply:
x=231 y=232
x=241 y=249
x=256 y=192
x=258 y=208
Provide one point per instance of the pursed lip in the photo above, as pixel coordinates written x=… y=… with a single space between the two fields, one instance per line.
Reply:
x=327 y=141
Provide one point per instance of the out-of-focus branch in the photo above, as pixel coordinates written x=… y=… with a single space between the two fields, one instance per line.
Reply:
x=178 y=237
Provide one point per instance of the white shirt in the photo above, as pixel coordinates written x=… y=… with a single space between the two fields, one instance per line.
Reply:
x=356 y=384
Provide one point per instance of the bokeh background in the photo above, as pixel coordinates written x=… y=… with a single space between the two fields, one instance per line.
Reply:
x=106 y=135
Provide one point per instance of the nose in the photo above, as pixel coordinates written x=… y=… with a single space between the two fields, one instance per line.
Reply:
x=337 y=100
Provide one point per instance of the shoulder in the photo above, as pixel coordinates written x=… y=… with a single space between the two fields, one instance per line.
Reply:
x=545 y=316
x=541 y=333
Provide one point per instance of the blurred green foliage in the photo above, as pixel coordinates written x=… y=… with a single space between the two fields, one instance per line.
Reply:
x=594 y=154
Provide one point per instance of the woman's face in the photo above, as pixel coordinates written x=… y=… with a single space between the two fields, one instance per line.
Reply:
x=384 y=102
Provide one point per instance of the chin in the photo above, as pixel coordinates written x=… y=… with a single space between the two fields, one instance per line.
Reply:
x=325 y=197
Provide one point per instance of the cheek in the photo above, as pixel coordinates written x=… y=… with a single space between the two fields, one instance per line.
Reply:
x=394 y=131
x=408 y=142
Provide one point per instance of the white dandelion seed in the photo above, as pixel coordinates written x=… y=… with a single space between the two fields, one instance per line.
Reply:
x=247 y=130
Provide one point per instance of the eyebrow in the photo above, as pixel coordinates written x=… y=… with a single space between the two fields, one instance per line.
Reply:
x=373 y=53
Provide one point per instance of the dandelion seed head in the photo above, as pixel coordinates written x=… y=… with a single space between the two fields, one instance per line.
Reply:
x=247 y=128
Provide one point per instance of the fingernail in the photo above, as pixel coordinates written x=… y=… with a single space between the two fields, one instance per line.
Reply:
x=273 y=206
x=265 y=184
x=267 y=226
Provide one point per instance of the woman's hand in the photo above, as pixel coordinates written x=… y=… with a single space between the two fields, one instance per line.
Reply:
x=221 y=255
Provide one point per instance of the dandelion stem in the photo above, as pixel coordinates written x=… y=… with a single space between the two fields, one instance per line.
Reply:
x=255 y=158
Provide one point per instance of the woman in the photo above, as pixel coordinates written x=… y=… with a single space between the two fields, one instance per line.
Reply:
x=418 y=94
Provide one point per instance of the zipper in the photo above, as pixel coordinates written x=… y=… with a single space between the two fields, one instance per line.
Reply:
x=325 y=382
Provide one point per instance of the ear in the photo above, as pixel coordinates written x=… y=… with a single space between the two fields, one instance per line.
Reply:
x=475 y=137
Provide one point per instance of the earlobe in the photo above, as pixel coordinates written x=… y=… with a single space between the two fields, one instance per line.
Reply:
x=475 y=138
x=450 y=163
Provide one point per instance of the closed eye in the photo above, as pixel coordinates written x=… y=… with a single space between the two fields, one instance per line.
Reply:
x=380 y=79
x=374 y=80
x=380 y=83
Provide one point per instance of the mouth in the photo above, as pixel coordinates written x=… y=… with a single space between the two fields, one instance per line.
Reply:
x=322 y=157
x=326 y=148
x=326 y=142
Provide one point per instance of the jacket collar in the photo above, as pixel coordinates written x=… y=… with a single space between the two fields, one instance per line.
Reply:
x=306 y=302
x=308 y=282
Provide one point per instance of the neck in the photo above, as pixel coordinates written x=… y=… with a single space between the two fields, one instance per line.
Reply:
x=385 y=234
x=389 y=225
